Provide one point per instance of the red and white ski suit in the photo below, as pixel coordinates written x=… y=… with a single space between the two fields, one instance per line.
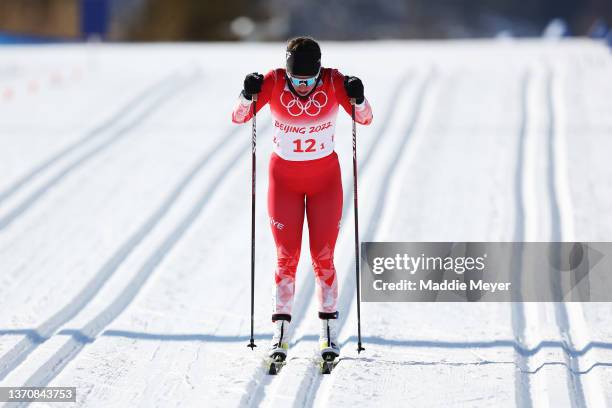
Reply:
x=304 y=177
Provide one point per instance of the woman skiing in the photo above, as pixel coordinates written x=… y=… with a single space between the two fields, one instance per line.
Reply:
x=304 y=175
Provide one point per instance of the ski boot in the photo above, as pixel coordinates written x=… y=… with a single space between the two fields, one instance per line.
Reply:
x=328 y=341
x=279 y=345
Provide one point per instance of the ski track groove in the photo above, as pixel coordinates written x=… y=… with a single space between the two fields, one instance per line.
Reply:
x=574 y=383
x=260 y=381
x=80 y=338
x=153 y=104
x=563 y=231
x=11 y=359
x=529 y=391
x=89 y=136
x=522 y=383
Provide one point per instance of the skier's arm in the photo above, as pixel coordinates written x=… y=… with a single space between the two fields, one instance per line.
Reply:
x=363 y=110
x=243 y=111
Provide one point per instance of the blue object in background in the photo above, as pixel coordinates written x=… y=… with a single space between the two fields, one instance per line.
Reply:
x=7 y=38
x=94 y=18
x=599 y=29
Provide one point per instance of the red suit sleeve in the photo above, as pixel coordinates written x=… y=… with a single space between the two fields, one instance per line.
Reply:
x=363 y=112
x=243 y=111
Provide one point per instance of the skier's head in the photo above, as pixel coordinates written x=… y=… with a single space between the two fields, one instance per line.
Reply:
x=303 y=64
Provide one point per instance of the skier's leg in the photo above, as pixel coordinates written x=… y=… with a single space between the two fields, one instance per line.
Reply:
x=324 y=211
x=286 y=212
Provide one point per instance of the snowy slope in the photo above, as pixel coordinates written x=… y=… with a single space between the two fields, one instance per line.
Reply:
x=125 y=224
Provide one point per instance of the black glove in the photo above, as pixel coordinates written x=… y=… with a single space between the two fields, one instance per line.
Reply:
x=252 y=85
x=354 y=88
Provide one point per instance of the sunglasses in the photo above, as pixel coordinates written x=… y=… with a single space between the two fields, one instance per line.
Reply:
x=303 y=81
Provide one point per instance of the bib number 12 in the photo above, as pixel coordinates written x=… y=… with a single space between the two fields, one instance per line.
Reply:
x=310 y=145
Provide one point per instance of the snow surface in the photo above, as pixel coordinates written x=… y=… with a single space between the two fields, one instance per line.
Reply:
x=125 y=224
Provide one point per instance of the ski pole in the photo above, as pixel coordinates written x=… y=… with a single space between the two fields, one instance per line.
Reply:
x=253 y=177
x=359 y=347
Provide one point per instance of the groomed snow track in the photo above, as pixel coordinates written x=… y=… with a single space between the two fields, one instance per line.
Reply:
x=124 y=224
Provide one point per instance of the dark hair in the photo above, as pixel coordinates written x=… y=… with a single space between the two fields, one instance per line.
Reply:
x=303 y=56
x=304 y=44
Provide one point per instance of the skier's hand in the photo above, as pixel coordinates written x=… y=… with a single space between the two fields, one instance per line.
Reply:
x=354 y=88
x=252 y=85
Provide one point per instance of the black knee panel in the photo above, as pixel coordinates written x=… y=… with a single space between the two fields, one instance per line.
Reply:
x=326 y=316
x=281 y=316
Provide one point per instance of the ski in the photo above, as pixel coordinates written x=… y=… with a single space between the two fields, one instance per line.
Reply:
x=275 y=363
x=327 y=363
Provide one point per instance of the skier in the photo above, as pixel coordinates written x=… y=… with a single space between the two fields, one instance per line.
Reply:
x=304 y=176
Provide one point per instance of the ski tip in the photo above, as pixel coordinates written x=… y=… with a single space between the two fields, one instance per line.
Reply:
x=276 y=362
x=275 y=367
x=327 y=367
x=328 y=362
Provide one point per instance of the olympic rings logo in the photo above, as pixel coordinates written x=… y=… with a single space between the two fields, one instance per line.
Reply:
x=296 y=107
